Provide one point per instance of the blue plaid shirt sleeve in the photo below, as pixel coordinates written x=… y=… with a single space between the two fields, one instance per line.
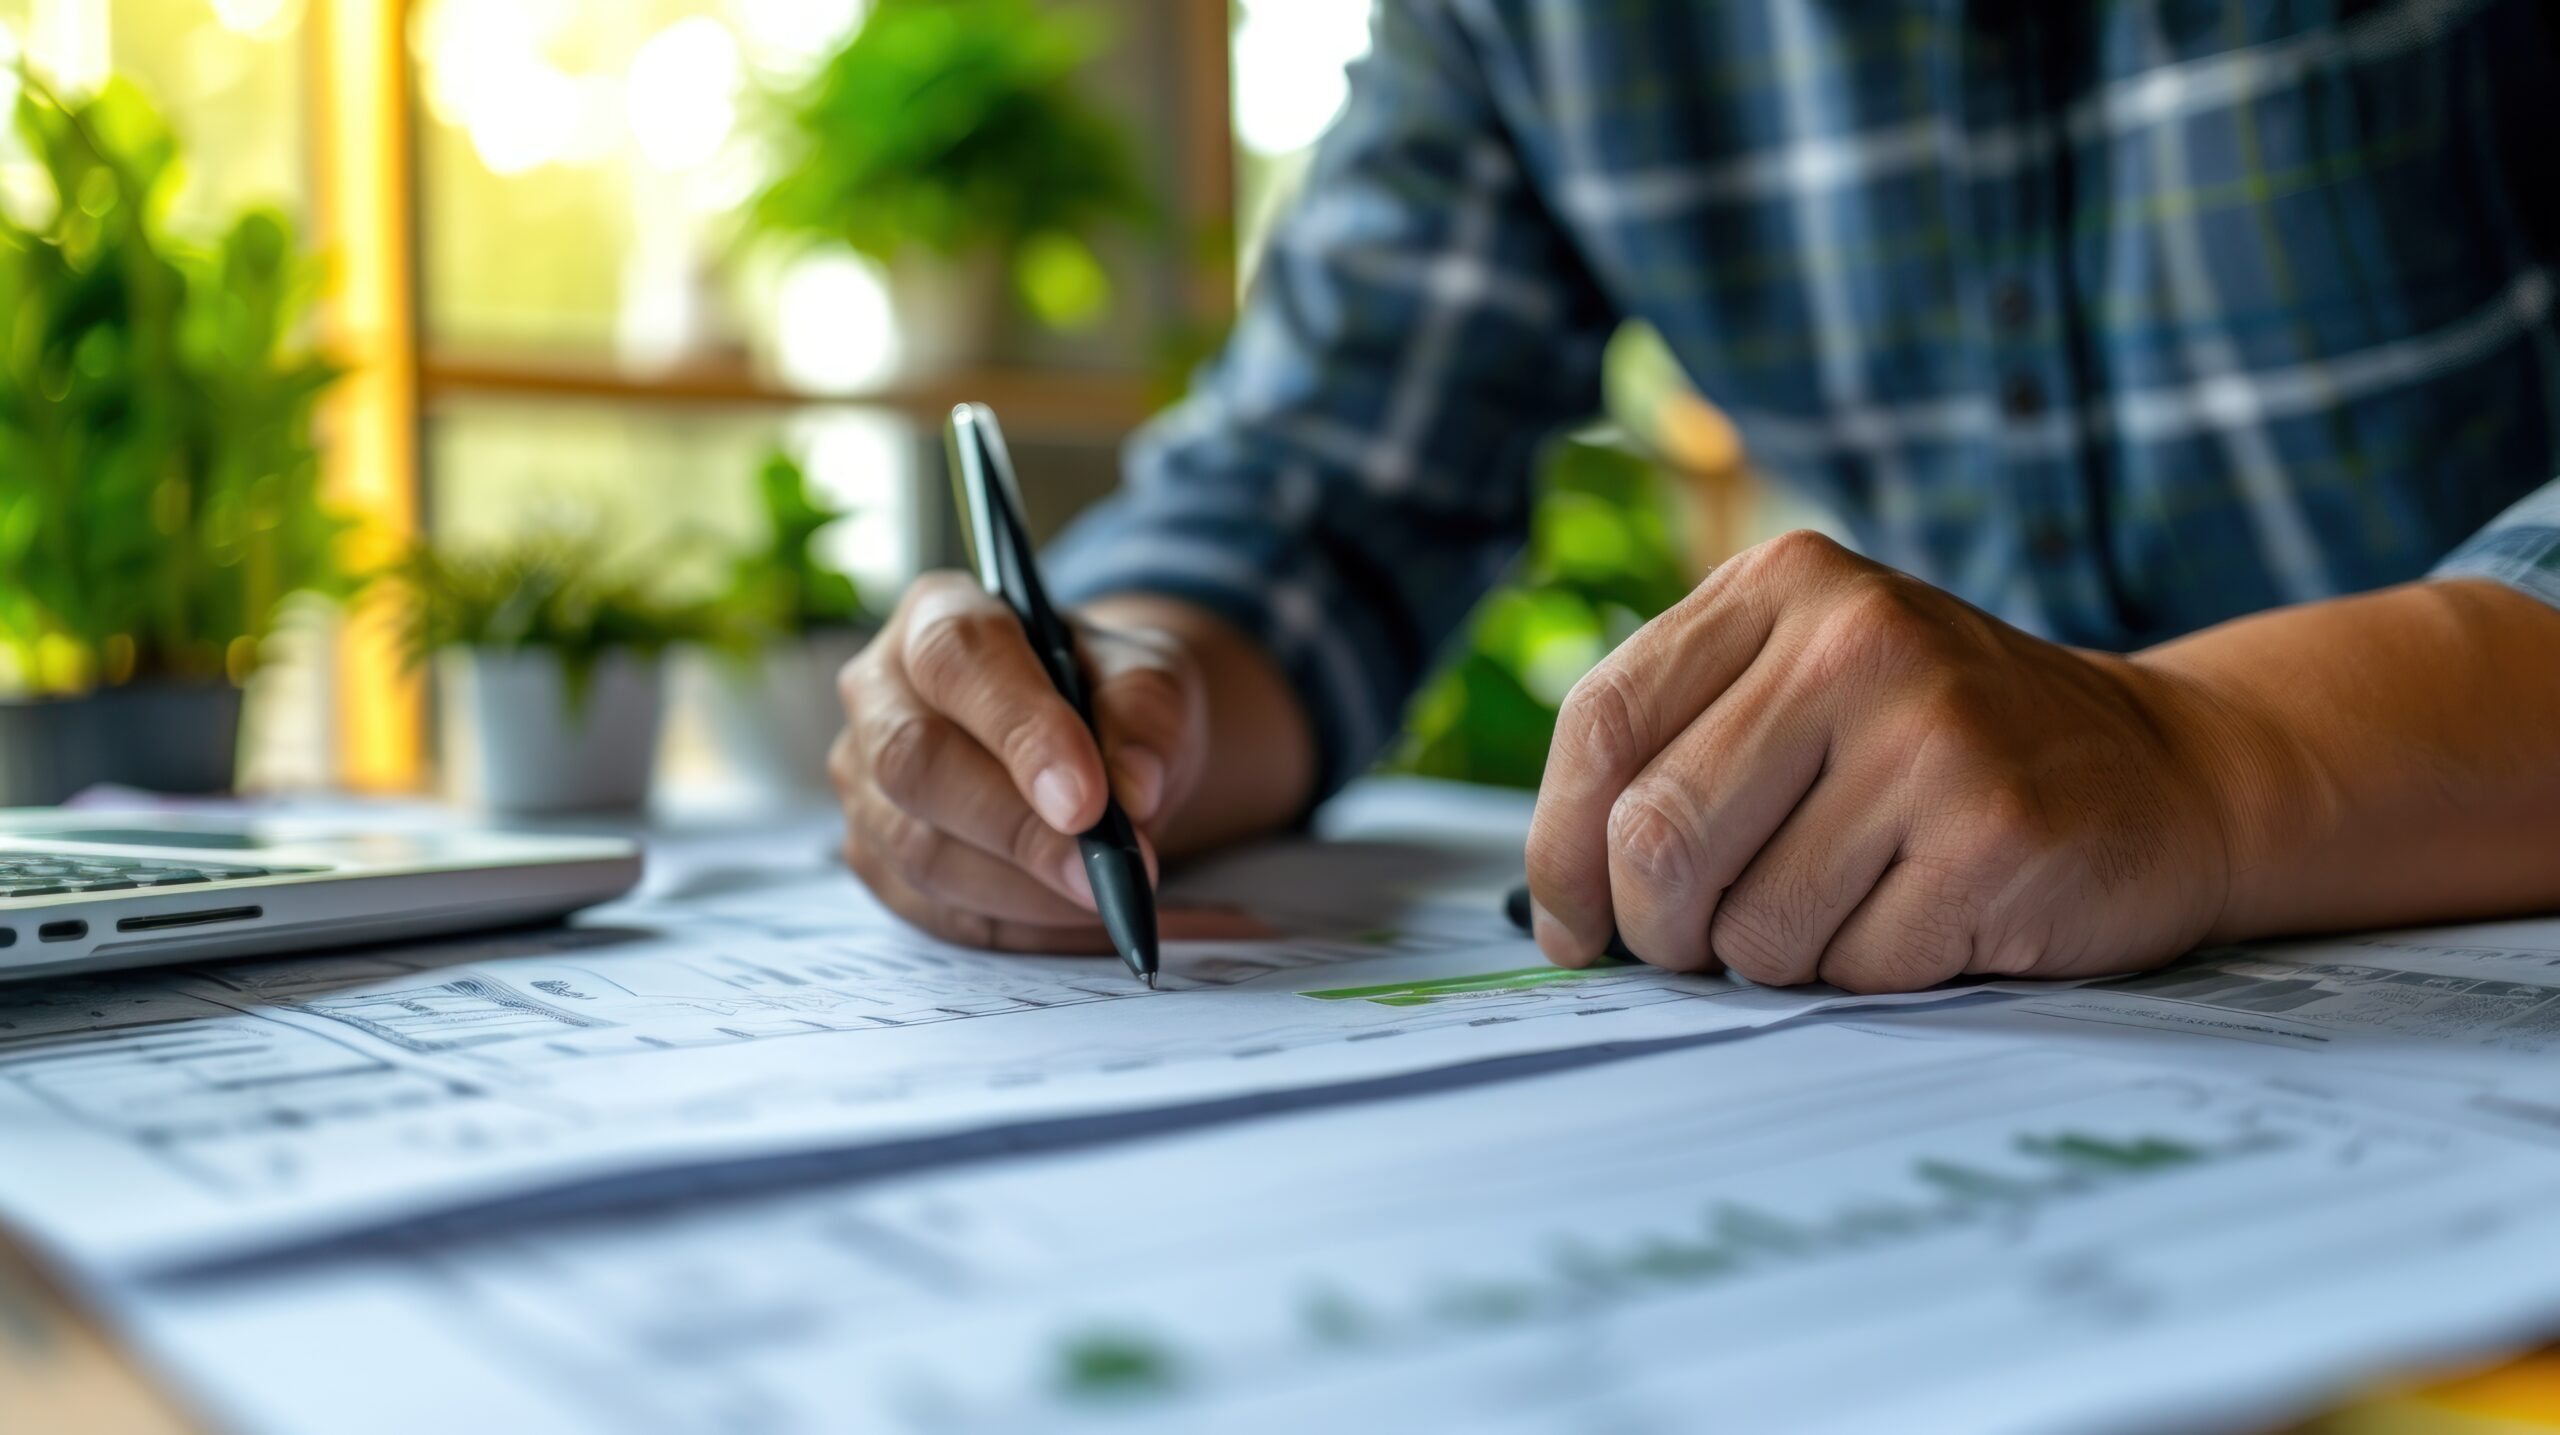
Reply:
x=2520 y=547
x=1353 y=472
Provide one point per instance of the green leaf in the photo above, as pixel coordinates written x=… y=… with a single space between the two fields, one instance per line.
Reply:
x=783 y=589
x=954 y=126
x=570 y=594
x=159 y=485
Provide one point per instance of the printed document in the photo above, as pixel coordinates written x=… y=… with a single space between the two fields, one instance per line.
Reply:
x=160 y=1118
x=1815 y=1229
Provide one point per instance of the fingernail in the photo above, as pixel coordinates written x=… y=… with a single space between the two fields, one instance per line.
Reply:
x=1057 y=796
x=1079 y=885
x=1141 y=782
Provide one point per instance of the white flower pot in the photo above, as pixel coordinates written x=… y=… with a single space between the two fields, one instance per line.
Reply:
x=516 y=742
x=772 y=715
x=952 y=314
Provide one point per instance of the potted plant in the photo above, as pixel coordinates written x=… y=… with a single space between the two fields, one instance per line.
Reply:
x=949 y=142
x=547 y=656
x=159 y=488
x=788 y=623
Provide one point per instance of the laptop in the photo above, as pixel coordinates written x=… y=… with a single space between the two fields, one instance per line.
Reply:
x=88 y=893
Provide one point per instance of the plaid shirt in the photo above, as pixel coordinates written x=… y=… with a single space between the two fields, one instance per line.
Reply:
x=2116 y=317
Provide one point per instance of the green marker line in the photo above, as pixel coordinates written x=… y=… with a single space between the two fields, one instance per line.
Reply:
x=1418 y=993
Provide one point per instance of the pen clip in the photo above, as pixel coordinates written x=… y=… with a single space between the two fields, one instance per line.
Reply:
x=983 y=481
x=999 y=540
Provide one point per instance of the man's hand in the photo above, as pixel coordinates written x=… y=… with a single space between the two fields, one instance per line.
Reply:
x=1815 y=768
x=965 y=777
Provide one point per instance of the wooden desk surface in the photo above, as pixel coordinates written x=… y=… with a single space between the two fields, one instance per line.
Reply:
x=59 y=1374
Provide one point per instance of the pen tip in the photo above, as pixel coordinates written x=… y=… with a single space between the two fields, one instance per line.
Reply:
x=1151 y=981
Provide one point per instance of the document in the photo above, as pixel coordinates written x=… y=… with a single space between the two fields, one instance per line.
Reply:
x=164 y=1118
x=1815 y=1229
x=2458 y=1022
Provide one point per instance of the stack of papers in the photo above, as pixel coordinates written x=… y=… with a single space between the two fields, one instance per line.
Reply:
x=746 y=1155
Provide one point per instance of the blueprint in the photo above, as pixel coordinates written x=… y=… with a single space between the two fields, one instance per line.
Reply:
x=1992 y=1234
x=170 y=1117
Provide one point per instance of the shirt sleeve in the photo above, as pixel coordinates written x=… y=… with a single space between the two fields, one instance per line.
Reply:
x=2520 y=548
x=1353 y=472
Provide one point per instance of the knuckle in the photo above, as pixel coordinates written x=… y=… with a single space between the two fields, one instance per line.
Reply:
x=1148 y=700
x=1855 y=969
x=1872 y=629
x=1868 y=969
x=844 y=763
x=1883 y=604
x=858 y=675
x=1749 y=936
x=1032 y=744
x=933 y=585
x=1553 y=861
x=1599 y=721
x=902 y=751
x=2004 y=826
x=1648 y=831
x=914 y=850
x=951 y=649
x=1799 y=550
x=2006 y=810
x=1926 y=941
x=1963 y=710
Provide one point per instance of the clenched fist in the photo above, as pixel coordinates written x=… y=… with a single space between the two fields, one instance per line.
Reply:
x=1816 y=768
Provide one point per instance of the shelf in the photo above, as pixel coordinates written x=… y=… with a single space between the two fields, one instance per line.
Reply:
x=1043 y=401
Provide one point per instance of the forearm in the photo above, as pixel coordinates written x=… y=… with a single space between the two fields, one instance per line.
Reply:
x=1261 y=749
x=2387 y=759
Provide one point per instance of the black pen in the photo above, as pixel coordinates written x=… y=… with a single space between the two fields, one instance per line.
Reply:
x=1515 y=905
x=991 y=512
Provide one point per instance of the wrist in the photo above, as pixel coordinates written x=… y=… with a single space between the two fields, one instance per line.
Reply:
x=2263 y=793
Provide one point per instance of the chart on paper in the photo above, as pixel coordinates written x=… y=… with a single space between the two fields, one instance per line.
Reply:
x=184 y=1116
x=1995 y=1237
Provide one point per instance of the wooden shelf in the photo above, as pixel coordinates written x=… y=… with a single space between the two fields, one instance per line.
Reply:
x=1047 y=401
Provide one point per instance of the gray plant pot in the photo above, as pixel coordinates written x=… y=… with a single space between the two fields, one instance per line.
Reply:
x=773 y=714
x=516 y=744
x=162 y=737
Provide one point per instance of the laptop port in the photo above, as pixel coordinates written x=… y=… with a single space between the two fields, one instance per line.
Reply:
x=202 y=917
x=62 y=931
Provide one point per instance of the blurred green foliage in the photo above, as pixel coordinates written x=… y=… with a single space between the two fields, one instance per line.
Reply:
x=784 y=589
x=1115 y=1364
x=159 y=490
x=1604 y=556
x=958 y=126
x=568 y=593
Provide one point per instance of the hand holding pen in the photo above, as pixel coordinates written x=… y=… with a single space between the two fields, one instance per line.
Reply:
x=967 y=778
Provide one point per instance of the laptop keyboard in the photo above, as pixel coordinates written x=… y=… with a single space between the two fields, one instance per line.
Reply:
x=47 y=874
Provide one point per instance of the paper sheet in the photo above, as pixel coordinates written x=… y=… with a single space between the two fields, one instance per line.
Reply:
x=2461 y=1023
x=1817 y=1229
x=166 y=1118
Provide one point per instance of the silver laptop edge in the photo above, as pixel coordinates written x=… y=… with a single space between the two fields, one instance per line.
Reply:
x=111 y=891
